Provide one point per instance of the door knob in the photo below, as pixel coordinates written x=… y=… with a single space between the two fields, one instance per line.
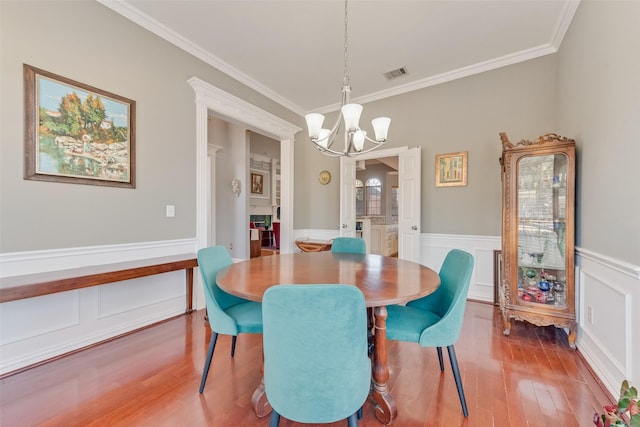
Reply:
x=414 y=227
x=344 y=225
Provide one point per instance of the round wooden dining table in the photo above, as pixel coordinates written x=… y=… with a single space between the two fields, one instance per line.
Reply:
x=382 y=280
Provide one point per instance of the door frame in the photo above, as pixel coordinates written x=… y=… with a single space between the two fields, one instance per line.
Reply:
x=388 y=152
x=235 y=110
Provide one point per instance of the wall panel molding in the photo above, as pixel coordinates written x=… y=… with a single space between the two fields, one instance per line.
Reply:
x=33 y=330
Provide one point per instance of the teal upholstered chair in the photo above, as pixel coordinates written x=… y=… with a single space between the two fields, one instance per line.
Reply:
x=228 y=314
x=436 y=320
x=349 y=245
x=316 y=368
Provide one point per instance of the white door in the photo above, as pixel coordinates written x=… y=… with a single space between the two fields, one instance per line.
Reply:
x=409 y=205
x=347 y=197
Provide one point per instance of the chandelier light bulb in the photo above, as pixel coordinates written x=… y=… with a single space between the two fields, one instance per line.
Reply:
x=358 y=140
x=381 y=128
x=351 y=114
x=314 y=124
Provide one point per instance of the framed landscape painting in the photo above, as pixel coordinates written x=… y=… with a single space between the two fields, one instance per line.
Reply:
x=76 y=133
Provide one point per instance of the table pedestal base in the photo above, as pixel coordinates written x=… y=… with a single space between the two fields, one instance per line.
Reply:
x=386 y=410
x=259 y=401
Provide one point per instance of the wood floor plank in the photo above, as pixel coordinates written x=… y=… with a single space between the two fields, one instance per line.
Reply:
x=151 y=378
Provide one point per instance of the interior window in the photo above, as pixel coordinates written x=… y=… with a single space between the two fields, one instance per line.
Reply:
x=373 y=196
x=395 y=194
x=359 y=198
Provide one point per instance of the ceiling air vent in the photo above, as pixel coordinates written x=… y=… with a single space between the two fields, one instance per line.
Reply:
x=394 y=74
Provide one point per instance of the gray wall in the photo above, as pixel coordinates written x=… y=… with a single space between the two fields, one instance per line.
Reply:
x=588 y=91
x=463 y=115
x=599 y=105
x=88 y=42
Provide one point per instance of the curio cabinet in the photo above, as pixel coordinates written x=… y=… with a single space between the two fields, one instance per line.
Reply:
x=538 y=193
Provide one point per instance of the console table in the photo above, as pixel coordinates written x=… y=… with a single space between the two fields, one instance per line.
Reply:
x=34 y=285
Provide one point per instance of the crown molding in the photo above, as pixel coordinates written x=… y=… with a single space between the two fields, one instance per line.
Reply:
x=125 y=9
x=148 y=23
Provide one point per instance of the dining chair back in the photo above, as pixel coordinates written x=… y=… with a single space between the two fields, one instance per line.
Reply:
x=316 y=368
x=436 y=320
x=227 y=314
x=349 y=245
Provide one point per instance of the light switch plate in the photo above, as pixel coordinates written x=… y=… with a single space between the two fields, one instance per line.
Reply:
x=171 y=211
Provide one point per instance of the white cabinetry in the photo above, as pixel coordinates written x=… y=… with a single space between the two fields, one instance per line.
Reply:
x=384 y=239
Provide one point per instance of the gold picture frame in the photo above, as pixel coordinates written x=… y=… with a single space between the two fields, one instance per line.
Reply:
x=260 y=184
x=451 y=169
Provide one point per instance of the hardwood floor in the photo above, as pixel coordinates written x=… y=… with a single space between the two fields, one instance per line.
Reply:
x=151 y=378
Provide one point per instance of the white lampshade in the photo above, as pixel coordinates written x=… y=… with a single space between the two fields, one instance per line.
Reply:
x=314 y=124
x=358 y=140
x=323 y=137
x=381 y=128
x=351 y=114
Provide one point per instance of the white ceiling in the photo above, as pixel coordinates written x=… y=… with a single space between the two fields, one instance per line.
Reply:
x=292 y=51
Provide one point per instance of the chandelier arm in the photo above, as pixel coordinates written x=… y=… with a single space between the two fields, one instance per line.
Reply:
x=357 y=153
x=331 y=136
x=375 y=141
x=330 y=152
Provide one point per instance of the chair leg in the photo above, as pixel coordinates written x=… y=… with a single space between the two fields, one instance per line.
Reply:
x=207 y=364
x=359 y=413
x=456 y=375
x=440 y=359
x=274 y=421
x=233 y=345
x=352 y=420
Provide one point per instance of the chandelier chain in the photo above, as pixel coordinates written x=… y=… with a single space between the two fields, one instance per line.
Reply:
x=346 y=45
x=355 y=138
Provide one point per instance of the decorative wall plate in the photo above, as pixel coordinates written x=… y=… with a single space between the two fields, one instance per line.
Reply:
x=324 y=177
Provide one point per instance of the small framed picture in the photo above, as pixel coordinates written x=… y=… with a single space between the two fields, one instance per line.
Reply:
x=260 y=184
x=451 y=169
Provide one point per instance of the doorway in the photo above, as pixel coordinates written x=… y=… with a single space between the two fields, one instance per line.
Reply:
x=409 y=180
x=210 y=99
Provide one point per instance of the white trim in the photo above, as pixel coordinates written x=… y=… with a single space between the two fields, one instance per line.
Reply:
x=564 y=21
x=232 y=108
x=135 y=15
x=610 y=344
x=618 y=265
x=19 y=263
x=39 y=328
x=145 y=21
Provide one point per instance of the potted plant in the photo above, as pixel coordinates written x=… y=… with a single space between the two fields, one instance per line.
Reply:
x=627 y=409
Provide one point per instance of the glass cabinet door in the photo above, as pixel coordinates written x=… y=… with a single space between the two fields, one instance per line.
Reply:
x=542 y=210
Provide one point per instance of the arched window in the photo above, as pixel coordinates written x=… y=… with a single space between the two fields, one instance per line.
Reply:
x=373 y=196
x=359 y=198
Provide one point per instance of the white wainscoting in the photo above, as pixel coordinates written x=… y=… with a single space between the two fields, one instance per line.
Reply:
x=434 y=248
x=37 y=329
x=610 y=342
